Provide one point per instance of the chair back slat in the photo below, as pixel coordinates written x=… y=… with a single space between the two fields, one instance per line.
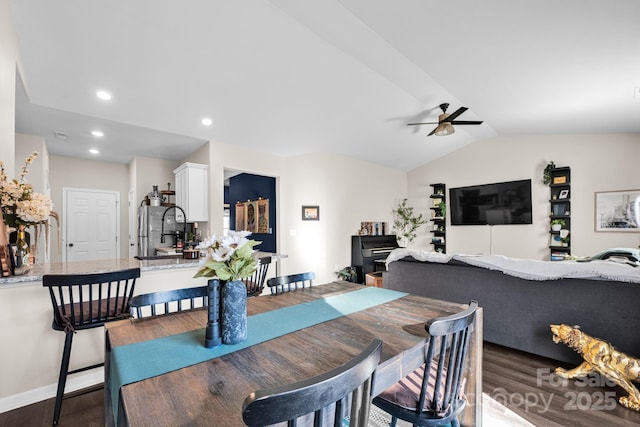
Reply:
x=449 y=339
x=255 y=282
x=338 y=397
x=464 y=343
x=89 y=300
x=160 y=303
x=281 y=284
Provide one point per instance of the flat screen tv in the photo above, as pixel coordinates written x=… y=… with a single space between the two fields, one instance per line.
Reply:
x=491 y=204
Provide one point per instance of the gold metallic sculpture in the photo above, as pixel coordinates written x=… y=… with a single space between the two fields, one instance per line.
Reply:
x=600 y=356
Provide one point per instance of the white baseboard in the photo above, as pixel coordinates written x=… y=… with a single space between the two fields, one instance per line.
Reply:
x=74 y=382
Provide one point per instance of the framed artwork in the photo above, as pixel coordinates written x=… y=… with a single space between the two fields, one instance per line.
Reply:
x=560 y=179
x=252 y=216
x=371 y=228
x=263 y=216
x=617 y=211
x=310 y=213
x=563 y=194
x=240 y=217
x=559 y=209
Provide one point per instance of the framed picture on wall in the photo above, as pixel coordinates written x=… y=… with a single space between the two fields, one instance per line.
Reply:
x=617 y=211
x=252 y=216
x=263 y=216
x=560 y=179
x=240 y=217
x=310 y=213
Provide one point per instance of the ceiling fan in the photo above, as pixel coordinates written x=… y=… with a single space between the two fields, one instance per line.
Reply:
x=446 y=121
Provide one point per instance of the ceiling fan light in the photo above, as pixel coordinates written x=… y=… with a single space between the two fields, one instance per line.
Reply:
x=444 y=129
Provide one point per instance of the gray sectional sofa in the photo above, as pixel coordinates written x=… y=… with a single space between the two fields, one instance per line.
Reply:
x=518 y=311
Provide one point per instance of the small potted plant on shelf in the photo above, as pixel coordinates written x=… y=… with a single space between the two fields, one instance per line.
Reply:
x=546 y=175
x=557 y=224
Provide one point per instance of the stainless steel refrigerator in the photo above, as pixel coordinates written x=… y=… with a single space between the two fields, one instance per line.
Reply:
x=150 y=228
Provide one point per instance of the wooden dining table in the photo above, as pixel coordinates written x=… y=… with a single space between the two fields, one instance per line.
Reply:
x=211 y=392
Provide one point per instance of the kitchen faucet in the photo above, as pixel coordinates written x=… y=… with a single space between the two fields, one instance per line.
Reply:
x=184 y=215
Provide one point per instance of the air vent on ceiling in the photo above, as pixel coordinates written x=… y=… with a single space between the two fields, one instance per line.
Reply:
x=61 y=135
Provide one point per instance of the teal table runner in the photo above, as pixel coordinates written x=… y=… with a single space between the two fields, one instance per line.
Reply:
x=139 y=361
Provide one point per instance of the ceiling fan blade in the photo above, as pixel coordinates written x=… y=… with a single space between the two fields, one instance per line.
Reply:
x=466 y=122
x=433 y=131
x=426 y=123
x=455 y=114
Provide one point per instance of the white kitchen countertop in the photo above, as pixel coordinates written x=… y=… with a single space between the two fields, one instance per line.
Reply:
x=35 y=274
x=84 y=267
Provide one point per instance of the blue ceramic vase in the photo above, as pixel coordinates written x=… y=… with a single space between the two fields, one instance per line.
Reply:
x=234 y=312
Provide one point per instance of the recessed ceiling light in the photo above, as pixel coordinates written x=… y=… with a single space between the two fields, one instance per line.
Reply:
x=97 y=133
x=104 y=95
x=207 y=121
x=94 y=151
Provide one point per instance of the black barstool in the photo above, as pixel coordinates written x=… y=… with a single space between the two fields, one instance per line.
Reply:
x=86 y=301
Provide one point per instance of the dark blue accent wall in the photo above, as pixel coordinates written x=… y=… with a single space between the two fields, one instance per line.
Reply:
x=245 y=187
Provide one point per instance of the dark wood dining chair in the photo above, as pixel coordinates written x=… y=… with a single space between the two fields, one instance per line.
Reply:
x=281 y=284
x=437 y=398
x=85 y=301
x=341 y=395
x=165 y=302
x=255 y=282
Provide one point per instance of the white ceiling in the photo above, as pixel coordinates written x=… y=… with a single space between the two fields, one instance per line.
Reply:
x=299 y=76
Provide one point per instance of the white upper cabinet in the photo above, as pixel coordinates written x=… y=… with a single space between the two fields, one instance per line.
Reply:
x=192 y=191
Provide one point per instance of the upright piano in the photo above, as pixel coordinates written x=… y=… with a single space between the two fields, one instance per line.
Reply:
x=369 y=252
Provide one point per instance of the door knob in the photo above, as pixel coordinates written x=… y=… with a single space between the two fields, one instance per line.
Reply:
x=70 y=244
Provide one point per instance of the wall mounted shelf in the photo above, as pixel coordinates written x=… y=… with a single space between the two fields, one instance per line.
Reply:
x=560 y=209
x=438 y=218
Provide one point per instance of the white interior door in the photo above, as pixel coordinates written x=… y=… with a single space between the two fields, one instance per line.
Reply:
x=91 y=224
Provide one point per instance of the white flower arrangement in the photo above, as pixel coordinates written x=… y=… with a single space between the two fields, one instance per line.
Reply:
x=228 y=257
x=19 y=203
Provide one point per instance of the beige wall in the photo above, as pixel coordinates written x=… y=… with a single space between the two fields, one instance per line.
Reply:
x=68 y=172
x=598 y=163
x=150 y=172
x=348 y=191
x=38 y=175
x=9 y=60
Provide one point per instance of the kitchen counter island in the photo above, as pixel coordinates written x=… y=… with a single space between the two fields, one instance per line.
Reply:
x=34 y=275
x=99 y=266
x=30 y=362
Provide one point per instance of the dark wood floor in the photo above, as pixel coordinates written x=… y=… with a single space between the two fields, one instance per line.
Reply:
x=78 y=410
x=520 y=381
x=524 y=383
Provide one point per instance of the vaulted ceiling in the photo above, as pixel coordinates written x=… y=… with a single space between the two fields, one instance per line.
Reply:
x=299 y=76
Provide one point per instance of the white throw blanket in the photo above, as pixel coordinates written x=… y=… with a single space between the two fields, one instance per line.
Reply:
x=530 y=269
